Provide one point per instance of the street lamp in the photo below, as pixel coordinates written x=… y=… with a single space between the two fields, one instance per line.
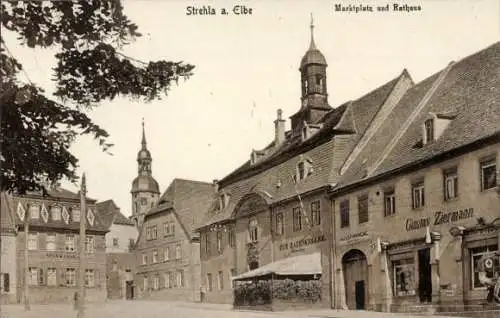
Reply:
x=81 y=250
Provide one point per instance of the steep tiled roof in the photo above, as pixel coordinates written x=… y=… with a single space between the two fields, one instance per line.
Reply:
x=264 y=176
x=471 y=89
x=110 y=214
x=188 y=199
x=465 y=93
x=60 y=197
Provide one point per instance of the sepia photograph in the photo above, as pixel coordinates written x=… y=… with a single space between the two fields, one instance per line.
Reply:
x=322 y=158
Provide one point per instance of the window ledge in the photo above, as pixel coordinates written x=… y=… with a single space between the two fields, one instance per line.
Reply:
x=451 y=200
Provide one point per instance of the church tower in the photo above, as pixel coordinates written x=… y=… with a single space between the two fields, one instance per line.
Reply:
x=314 y=96
x=145 y=190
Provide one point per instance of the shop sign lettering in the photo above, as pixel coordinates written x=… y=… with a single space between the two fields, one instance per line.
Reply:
x=61 y=255
x=353 y=236
x=439 y=219
x=302 y=242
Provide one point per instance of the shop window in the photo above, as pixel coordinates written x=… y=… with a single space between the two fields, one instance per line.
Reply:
x=479 y=260
x=344 y=213
x=32 y=241
x=220 y=280
x=253 y=230
x=219 y=242
x=280 y=225
x=450 y=178
x=209 y=282
x=297 y=219
x=89 y=278
x=70 y=277
x=33 y=276
x=180 y=278
x=389 y=202
x=404 y=277
x=418 y=195
x=488 y=174
x=315 y=213
x=230 y=237
x=155 y=256
x=363 y=209
x=51 y=242
x=69 y=243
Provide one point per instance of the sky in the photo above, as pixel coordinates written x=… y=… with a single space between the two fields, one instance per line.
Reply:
x=247 y=68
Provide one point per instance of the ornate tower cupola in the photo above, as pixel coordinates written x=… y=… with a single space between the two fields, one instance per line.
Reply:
x=145 y=190
x=314 y=95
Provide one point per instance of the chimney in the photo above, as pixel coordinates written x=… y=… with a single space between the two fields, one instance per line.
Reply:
x=279 y=129
x=215 y=185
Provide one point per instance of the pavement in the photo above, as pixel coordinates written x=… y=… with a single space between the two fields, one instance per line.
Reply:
x=164 y=309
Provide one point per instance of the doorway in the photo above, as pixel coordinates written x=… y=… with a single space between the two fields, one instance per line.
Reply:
x=424 y=275
x=129 y=292
x=355 y=268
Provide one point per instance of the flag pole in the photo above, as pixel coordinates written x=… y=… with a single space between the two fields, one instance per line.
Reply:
x=81 y=251
x=26 y=265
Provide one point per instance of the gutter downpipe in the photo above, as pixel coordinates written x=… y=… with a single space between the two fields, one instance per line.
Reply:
x=333 y=254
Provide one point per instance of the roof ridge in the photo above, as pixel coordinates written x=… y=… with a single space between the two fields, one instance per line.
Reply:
x=192 y=181
x=374 y=125
x=411 y=117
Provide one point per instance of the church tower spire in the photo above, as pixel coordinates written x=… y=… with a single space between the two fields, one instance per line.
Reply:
x=312 y=45
x=145 y=190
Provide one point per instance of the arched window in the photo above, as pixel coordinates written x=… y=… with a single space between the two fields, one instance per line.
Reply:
x=253 y=230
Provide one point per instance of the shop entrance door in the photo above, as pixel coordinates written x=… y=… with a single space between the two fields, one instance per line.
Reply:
x=355 y=268
x=129 y=292
x=424 y=275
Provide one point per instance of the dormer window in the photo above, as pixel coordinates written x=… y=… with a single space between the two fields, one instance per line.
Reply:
x=304 y=169
x=301 y=169
x=223 y=201
x=429 y=130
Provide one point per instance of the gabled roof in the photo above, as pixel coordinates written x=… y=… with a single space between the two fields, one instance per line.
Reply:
x=188 y=199
x=110 y=214
x=263 y=176
x=465 y=93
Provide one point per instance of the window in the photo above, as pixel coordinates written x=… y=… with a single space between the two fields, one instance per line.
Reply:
x=301 y=170
x=450 y=178
x=363 y=209
x=34 y=211
x=166 y=253
x=33 y=276
x=209 y=282
x=479 y=255
x=319 y=79
x=344 y=213
x=4 y=283
x=156 y=282
x=297 y=219
x=166 y=279
x=131 y=243
x=148 y=233
x=89 y=278
x=418 y=196
x=69 y=243
x=76 y=214
x=220 y=280
x=429 y=130
x=115 y=242
x=51 y=242
x=231 y=238
x=178 y=251
x=389 y=202
x=70 y=277
x=155 y=256
x=168 y=228
x=32 y=241
x=145 y=283
x=488 y=174
x=253 y=230
x=155 y=232
x=219 y=241
x=144 y=259
x=315 y=213
x=51 y=276
x=144 y=201
x=404 y=277
x=280 y=226
x=89 y=244
x=180 y=278
x=207 y=244
x=55 y=211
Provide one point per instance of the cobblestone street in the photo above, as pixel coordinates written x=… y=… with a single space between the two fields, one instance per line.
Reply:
x=154 y=309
